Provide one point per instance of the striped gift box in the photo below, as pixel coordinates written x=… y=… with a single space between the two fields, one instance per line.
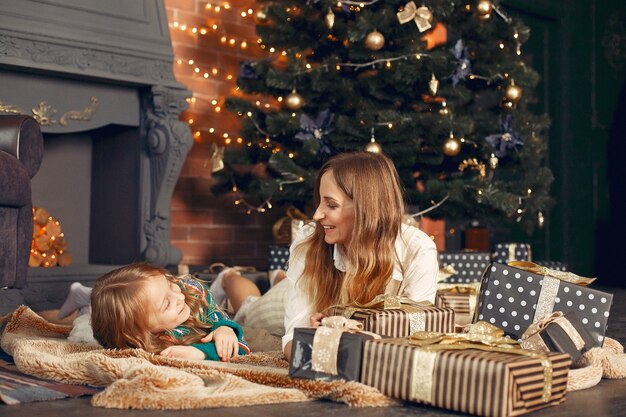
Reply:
x=406 y=320
x=490 y=384
x=460 y=303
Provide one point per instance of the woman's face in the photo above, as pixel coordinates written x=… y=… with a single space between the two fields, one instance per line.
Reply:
x=166 y=304
x=335 y=212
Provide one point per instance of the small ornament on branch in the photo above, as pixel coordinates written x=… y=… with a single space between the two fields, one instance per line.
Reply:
x=374 y=40
x=329 y=19
x=261 y=17
x=293 y=101
x=373 y=146
x=433 y=85
x=217 y=158
x=452 y=146
x=512 y=94
x=474 y=165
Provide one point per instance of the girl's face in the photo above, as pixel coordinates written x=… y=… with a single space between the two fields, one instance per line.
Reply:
x=166 y=304
x=335 y=212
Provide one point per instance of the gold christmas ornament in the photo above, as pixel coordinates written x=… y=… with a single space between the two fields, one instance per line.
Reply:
x=433 y=85
x=261 y=16
x=452 y=146
x=374 y=40
x=373 y=147
x=484 y=8
x=512 y=92
x=329 y=19
x=293 y=100
x=493 y=161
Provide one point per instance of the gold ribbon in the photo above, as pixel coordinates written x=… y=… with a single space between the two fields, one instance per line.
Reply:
x=532 y=340
x=513 y=249
x=480 y=335
x=326 y=342
x=292 y=214
x=446 y=272
x=422 y=16
x=561 y=275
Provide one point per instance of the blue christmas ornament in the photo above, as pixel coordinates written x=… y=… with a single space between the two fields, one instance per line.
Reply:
x=464 y=66
x=508 y=139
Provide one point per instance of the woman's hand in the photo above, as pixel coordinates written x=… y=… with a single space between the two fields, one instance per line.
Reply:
x=316 y=319
x=182 y=352
x=226 y=343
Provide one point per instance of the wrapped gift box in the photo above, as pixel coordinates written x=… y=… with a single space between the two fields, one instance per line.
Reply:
x=460 y=298
x=469 y=266
x=278 y=258
x=513 y=299
x=558 y=265
x=403 y=320
x=348 y=357
x=506 y=252
x=491 y=384
x=558 y=333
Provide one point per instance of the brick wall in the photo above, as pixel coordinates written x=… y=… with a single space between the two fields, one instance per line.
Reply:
x=205 y=227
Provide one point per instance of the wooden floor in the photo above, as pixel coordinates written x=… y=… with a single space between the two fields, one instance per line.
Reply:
x=608 y=399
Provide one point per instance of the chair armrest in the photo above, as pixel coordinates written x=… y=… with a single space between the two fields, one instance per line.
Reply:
x=21 y=136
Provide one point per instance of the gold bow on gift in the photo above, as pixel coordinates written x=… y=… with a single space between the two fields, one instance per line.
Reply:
x=326 y=342
x=483 y=336
x=561 y=275
x=292 y=214
x=531 y=340
x=421 y=15
x=386 y=302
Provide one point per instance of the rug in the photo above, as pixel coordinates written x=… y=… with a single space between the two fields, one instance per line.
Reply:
x=134 y=378
x=17 y=387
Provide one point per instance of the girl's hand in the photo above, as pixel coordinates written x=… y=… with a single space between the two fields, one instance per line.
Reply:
x=182 y=352
x=316 y=319
x=226 y=343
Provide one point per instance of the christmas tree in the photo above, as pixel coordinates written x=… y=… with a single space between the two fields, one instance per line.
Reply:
x=440 y=87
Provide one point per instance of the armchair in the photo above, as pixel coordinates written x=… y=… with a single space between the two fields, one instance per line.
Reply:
x=21 y=153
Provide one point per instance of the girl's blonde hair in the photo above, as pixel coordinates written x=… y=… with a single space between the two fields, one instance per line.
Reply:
x=372 y=183
x=120 y=310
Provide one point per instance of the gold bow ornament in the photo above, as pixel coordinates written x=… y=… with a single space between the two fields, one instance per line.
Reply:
x=326 y=342
x=422 y=16
x=560 y=275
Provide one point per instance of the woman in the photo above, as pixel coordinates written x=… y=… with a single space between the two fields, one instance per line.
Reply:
x=356 y=248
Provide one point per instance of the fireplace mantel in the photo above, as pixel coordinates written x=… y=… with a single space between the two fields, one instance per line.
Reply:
x=104 y=67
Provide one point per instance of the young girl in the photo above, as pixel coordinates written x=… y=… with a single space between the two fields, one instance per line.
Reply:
x=143 y=306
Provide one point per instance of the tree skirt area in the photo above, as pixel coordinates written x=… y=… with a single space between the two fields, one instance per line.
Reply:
x=134 y=378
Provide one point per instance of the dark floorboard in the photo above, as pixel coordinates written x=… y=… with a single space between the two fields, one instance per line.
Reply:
x=608 y=399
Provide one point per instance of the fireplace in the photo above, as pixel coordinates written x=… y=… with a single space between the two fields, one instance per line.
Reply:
x=98 y=77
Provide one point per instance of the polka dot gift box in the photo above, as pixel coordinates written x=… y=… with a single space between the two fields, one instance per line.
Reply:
x=513 y=299
x=468 y=265
x=279 y=255
x=505 y=252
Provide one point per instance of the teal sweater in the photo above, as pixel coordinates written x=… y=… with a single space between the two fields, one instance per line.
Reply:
x=212 y=315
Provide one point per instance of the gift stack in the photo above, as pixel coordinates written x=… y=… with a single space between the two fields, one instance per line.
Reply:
x=480 y=371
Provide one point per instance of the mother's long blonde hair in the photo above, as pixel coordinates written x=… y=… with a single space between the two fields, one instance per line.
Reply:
x=372 y=183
